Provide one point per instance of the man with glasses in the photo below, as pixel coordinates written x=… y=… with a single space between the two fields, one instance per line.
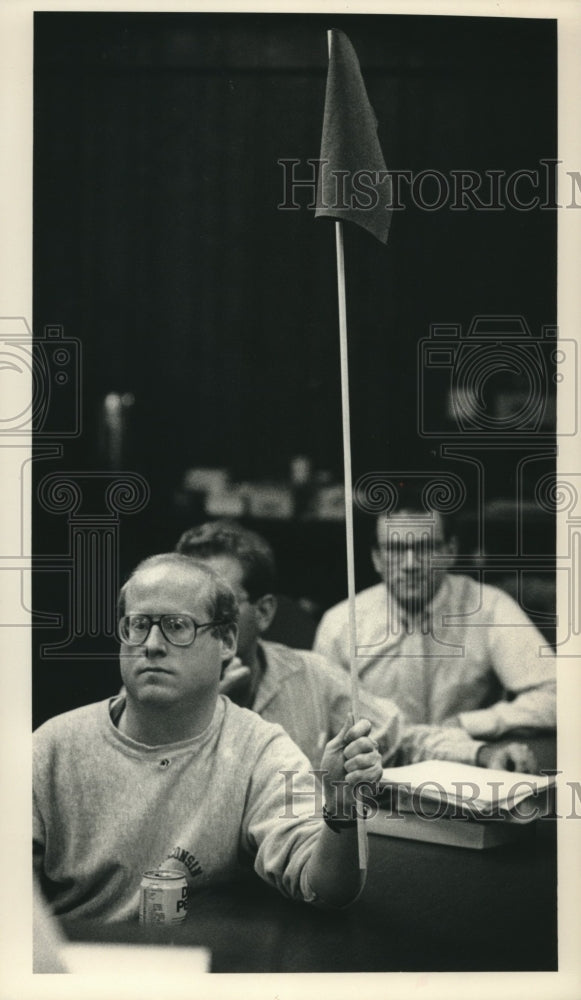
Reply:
x=446 y=648
x=304 y=692
x=171 y=774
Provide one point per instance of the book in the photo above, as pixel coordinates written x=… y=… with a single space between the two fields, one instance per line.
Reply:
x=470 y=833
x=446 y=802
x=483 y=793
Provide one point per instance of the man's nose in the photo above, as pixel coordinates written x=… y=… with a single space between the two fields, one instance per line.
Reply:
x=410 y=558
x=155 y=644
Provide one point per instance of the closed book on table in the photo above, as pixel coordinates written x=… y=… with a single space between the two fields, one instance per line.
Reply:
x=476 y=834
x=445 y=802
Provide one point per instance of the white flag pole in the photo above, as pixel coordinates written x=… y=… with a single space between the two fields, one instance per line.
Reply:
x=342 y=303
x=347 y=462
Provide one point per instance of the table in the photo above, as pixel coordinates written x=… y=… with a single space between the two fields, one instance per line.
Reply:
x=425 y=907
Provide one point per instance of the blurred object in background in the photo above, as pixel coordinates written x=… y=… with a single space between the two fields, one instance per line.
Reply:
x=270 y=500
x=301 y=477
x=206 y=481
x=307 y=495
x=114 y=429
x=329 y=502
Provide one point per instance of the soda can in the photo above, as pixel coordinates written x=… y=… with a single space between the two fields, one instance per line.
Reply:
x=163 y=897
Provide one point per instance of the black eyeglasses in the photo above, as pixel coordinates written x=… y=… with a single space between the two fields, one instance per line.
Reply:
x=179 y=630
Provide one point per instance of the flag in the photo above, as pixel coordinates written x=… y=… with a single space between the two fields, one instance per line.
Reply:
x=354 y=184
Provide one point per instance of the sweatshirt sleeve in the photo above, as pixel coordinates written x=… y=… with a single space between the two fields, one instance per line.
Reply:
x=281 y=823
x=38 y=839
x=40 y=758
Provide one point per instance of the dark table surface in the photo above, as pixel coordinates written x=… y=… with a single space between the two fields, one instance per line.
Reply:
x=425 y=907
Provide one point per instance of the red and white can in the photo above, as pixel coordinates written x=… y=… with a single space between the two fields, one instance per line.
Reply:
x=163 y=897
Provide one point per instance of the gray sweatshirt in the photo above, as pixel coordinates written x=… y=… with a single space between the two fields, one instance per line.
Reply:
x=107 y=809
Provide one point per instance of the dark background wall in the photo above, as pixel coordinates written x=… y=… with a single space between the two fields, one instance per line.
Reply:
x=158 y=243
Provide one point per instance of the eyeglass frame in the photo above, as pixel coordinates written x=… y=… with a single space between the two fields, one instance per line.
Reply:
x=157 y=620
x=424 y=549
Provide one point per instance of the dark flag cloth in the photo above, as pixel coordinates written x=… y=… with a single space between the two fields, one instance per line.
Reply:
x=354 y=184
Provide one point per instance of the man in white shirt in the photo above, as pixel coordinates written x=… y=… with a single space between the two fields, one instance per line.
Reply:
x=447 y=649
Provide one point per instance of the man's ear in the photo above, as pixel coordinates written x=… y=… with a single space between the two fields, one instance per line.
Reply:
x=228 y=642
x=265 y=608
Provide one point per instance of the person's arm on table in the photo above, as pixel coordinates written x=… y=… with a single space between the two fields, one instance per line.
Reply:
x=446 y=742
x=504 y=757
x=402 y=743
x=533 y=710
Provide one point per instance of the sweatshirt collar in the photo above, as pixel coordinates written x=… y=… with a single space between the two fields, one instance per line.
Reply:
x=114 y=707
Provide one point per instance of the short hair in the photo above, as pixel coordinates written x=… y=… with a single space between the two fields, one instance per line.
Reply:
x=221 y=600
x=228 y=538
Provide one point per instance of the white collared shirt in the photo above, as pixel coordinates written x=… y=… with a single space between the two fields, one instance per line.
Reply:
x=472 y=648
